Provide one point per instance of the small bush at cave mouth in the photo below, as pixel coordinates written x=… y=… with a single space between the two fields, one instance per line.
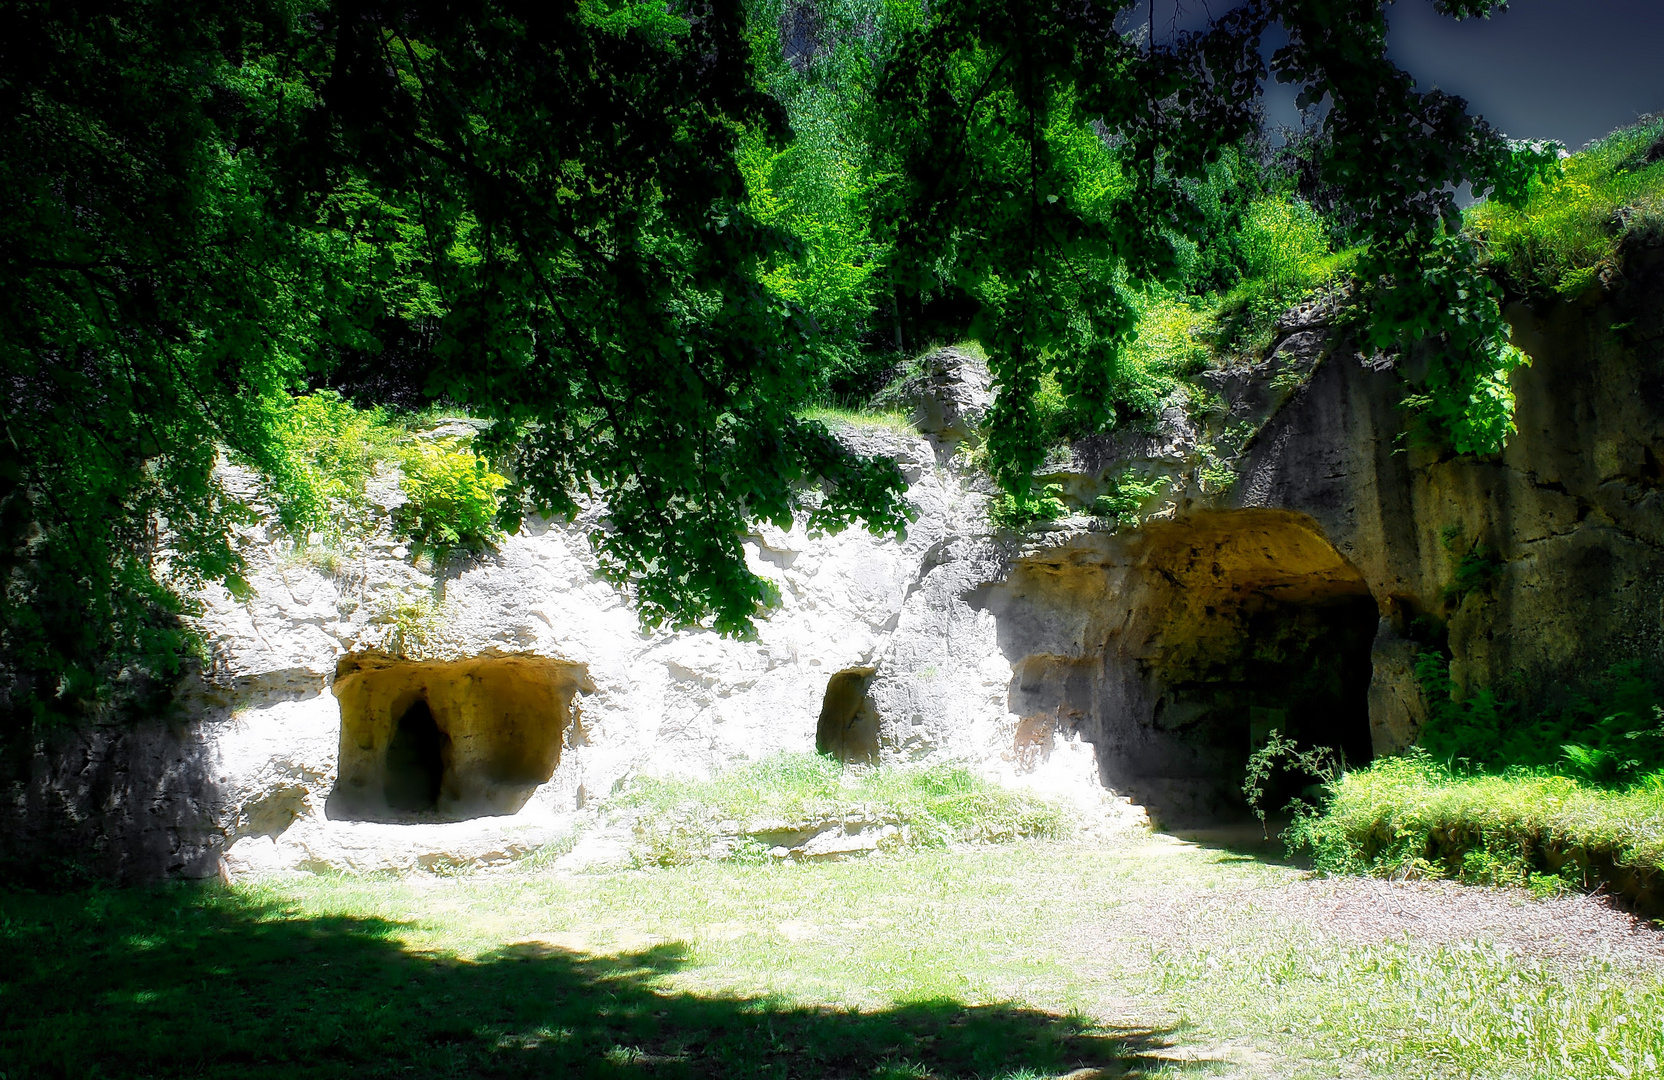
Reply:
x=684 y=820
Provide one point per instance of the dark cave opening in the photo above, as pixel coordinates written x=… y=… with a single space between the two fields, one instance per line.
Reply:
x=1301 y=668
x=848 y=724
x=1177 y=650
x=415 y=764
x=449 y=740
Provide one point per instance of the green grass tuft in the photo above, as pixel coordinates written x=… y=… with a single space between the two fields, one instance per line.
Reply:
x=1570 y=228
x=834 y=416
x=936 y=804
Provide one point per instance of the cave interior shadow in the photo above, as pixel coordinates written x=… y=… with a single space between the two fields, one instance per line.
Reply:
x=216 y=982
x=1246 y=841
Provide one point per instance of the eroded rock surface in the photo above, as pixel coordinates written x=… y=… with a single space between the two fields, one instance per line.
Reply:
x=1294 y=547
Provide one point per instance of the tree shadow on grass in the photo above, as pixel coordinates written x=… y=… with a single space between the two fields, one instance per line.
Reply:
x=208 y=982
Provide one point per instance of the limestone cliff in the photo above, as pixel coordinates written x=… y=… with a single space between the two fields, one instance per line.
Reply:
x=1289 y=539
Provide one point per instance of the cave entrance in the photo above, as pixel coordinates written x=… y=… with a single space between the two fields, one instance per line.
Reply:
x=1258 y=625
x=1300 y=669
x=415 y=766
x=848 y=724
x=1176 y=649
x=444 y=741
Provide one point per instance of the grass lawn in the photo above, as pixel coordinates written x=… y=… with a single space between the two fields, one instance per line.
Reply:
x=1032 y=959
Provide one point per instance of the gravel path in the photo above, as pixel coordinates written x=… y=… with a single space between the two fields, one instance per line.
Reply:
x=1367 y=910
x=1574 y=927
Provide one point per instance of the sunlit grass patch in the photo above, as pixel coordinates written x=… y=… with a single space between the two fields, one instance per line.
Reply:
x=1410 y=816
x=680 y=819
x=1401 y=1010
x=835 y=416
x=1570 y=227
x=1025 y=960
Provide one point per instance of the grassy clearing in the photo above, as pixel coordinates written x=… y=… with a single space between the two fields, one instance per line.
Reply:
x=685 y=820
x=834 y=416
x=1570 y=228
x=1396 y=1009
x=1010 y=962
x=1410 y=816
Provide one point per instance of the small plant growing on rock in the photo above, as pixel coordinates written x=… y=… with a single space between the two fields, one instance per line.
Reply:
x=453 y=498
x=1214 y=476
x=1476 y=567
x=1128 y=497
x=412 y=622
x=1008 y=511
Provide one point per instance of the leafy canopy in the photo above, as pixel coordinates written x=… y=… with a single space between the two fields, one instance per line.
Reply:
x=587 y=222
x=530 y=209
x=1040 y=154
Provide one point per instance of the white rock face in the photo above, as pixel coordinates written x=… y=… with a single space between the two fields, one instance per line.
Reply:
x=684 y=703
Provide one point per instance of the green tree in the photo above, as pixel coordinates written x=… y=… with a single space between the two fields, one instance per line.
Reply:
x=541 y=210
x=1000 y=193
x=207 y=206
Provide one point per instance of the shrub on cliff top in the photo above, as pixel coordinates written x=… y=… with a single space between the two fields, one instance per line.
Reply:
x=1570 y=227
x=324 y=451
x=453 y=494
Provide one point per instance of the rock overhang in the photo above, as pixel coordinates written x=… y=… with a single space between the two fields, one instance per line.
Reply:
x=486 y=731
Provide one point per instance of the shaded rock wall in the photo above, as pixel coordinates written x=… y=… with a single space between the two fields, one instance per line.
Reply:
x=1158 y=648
x=1563 y=532
x=133 y=801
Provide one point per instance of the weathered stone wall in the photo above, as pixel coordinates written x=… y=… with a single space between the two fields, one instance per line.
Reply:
x=1165 y=647
x=127 y=801
x=1087 y=658
x=1566 y=527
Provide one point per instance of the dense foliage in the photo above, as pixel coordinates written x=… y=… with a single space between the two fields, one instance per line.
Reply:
x=1609 y=732
x=210 y=208
x=1411 y=816
x=1000 y=194
x=207 y=207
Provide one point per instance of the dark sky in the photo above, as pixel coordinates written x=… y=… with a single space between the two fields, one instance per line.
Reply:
x=1570 y=70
